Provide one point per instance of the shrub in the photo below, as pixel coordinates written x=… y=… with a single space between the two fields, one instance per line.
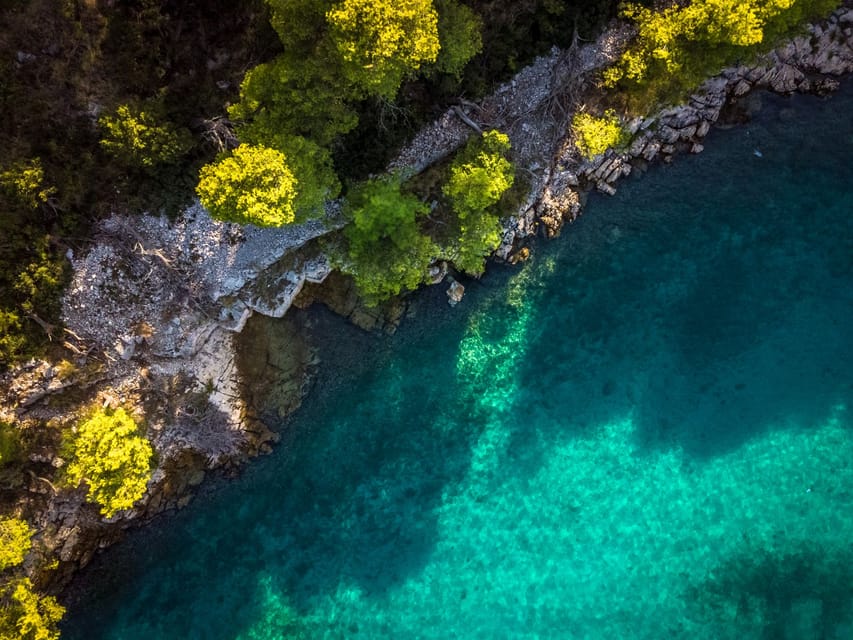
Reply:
x=10 y=443
x=26 y=615
x=459 y=30
x=15 y=541
x=140 y=137
x=110 y=456
x=594 y=136
x=388 y=253
x=253 y=185
x=479 y=176
x=24 y=182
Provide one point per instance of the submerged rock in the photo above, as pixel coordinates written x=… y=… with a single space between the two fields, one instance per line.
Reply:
x=455 y=292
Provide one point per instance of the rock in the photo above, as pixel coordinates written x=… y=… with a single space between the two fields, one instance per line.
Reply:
x=455 y=293
x=604 y=187
x=437 y=272
x=519 y=256
x=697 y=148
x=741 y=88
x=651 y=150
x=668 y=135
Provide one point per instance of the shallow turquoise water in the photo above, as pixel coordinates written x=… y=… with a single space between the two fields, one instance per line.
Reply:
x=643 y=432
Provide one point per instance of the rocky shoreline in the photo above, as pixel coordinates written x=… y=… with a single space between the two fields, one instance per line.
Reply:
x=159 y=313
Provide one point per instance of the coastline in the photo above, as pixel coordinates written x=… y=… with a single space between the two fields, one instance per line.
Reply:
x=136 y=363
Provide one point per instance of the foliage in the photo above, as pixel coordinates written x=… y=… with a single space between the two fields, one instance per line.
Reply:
x=24 y=181
x=15 y=541
x=479 y=176
x=680 y=46
x=459 y=30
x=594 y=136
x=10 y=439
x=388 y=253
x=13 y=340
x=110 y=456
x=293 y=95
x=380 y=42
x=141 y=138
x=253 y=185
x=26 y=615
x=39 y=282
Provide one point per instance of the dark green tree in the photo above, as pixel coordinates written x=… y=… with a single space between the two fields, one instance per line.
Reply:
x=387 y=251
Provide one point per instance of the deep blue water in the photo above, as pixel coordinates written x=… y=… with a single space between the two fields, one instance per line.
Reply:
x=642 y=432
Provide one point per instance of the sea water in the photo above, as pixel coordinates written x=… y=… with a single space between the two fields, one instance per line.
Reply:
x=644 y=431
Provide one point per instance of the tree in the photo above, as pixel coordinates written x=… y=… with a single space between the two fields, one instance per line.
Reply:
x=380 y=42
x=110 y=456
x=679 y=46
x=26 y=615
x=459 y=31
x=388 y=253
x=15 y=541
x=253 y=185
x=24 y=182
x=302 y=95
x=479 y=176
x=594 y=136
x=141 y=137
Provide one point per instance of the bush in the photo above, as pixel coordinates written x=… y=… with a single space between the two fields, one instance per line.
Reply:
x=459 y=30
x=26 y=615
x=15 y=542
x=24 y=182
x=388 y=253
x=594 y=136
x=10 y=443
x=680 y=46
x=253 y=185
x=140 y=137
x=479 y=176
x=110 y=456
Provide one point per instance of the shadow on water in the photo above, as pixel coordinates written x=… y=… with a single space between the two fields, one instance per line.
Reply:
x=709 y=317
x=804 y=594
x=699 y=315
x=347 y=500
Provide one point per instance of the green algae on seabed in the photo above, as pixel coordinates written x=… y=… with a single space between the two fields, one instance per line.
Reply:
x=644 y=432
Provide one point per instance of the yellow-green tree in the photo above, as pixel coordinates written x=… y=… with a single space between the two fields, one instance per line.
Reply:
x=24 y=182
x=594 y=136
x=141 y=137
x=112 y=459
x=24 y=614
x=15 y=543
x=253 y=185
x=27 y=615
x=679 y=46
x=380 y=42
x=459 y=33
x=479 y=176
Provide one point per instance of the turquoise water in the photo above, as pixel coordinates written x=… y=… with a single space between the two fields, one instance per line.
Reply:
x=643 y=432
